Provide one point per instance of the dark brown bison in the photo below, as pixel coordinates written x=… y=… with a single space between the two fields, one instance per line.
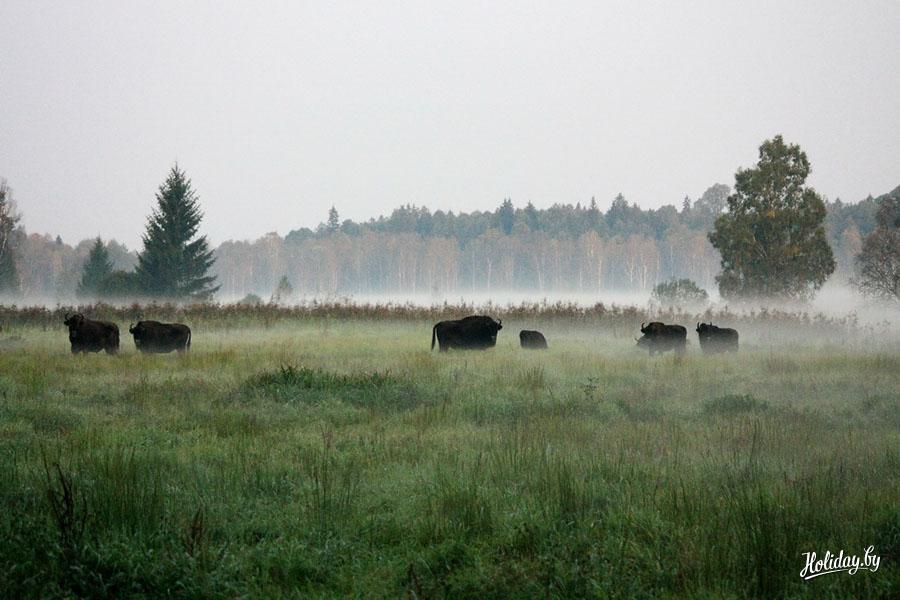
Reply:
x=153 y=336
x=472 y=333
x=533 y=340
x=92 y=336
x=659 y=337
x=717 y=339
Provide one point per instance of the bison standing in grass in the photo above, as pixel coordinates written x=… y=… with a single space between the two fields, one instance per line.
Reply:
x=532 y=340
x=717 y=339
x=92 y=336
x=472 y=333
x=659 y=337
x=153 y=336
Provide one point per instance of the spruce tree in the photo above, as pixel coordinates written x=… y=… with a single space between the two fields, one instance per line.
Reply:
x=97 y=269
x=506 y=216
x=334 y=221
x=174 y=265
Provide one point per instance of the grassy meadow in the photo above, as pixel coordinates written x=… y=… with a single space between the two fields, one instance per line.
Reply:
x=322 y=457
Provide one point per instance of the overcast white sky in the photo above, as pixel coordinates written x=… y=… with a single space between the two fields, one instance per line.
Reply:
x=279 y=110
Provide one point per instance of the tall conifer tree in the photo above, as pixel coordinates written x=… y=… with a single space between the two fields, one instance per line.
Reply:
x=97 y=269
x=174 y=265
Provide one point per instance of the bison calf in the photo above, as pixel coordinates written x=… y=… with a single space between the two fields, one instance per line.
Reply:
x=532 y=340
x=153 y=336
x=86 y=335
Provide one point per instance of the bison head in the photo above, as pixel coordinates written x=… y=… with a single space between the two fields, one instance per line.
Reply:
x=495 y=326
x=706 y=328
x=74 y=321
x=138 y=330
x=652 y=328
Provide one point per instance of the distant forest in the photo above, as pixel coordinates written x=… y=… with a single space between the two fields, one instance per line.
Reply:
x=564 y=248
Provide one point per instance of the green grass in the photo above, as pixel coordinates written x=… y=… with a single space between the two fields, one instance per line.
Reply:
x=323 y=458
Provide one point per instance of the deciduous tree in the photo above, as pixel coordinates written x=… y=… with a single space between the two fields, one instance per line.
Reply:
x=9 y=219
x=771 y=239
x=879 y=262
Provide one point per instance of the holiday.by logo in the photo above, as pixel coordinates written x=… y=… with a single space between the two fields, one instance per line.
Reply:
x=835 y=563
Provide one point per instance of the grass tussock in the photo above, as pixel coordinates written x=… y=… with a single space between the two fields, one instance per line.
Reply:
x=315 y=385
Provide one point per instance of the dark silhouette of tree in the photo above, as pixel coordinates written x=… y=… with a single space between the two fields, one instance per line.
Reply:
x=506 y=216
x=593 y=215
x=772 y=240
x=679 y=292
x=283 y=291
x=174 y=265
x=334 y=221
x=9 y=219
x=97 y=269
x=878 y=264
x=532 y=218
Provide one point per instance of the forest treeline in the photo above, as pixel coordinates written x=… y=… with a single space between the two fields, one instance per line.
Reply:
x=578 y=248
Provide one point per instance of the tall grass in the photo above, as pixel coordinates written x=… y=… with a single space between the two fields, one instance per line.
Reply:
x=278 y=461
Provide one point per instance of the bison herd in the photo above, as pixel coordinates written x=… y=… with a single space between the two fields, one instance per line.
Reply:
x=86 y=335
x=659 y=337
x=476 y=332
x=479 y=332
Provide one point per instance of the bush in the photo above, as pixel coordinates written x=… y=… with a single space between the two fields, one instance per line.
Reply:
x=680 y=292
x=251 y=300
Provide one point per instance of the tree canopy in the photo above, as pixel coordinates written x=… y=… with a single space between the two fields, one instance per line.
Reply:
x=679 y=292
x=879 y=261
x=771 y=239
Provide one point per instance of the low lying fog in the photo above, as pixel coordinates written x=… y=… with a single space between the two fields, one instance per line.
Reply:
x=834 y=300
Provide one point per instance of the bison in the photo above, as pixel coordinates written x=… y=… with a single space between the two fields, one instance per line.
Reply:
x=153 y=336
x=472 y=333
x=533 y=340
x=717 y=339
x=659 y=337
x=91 y=336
